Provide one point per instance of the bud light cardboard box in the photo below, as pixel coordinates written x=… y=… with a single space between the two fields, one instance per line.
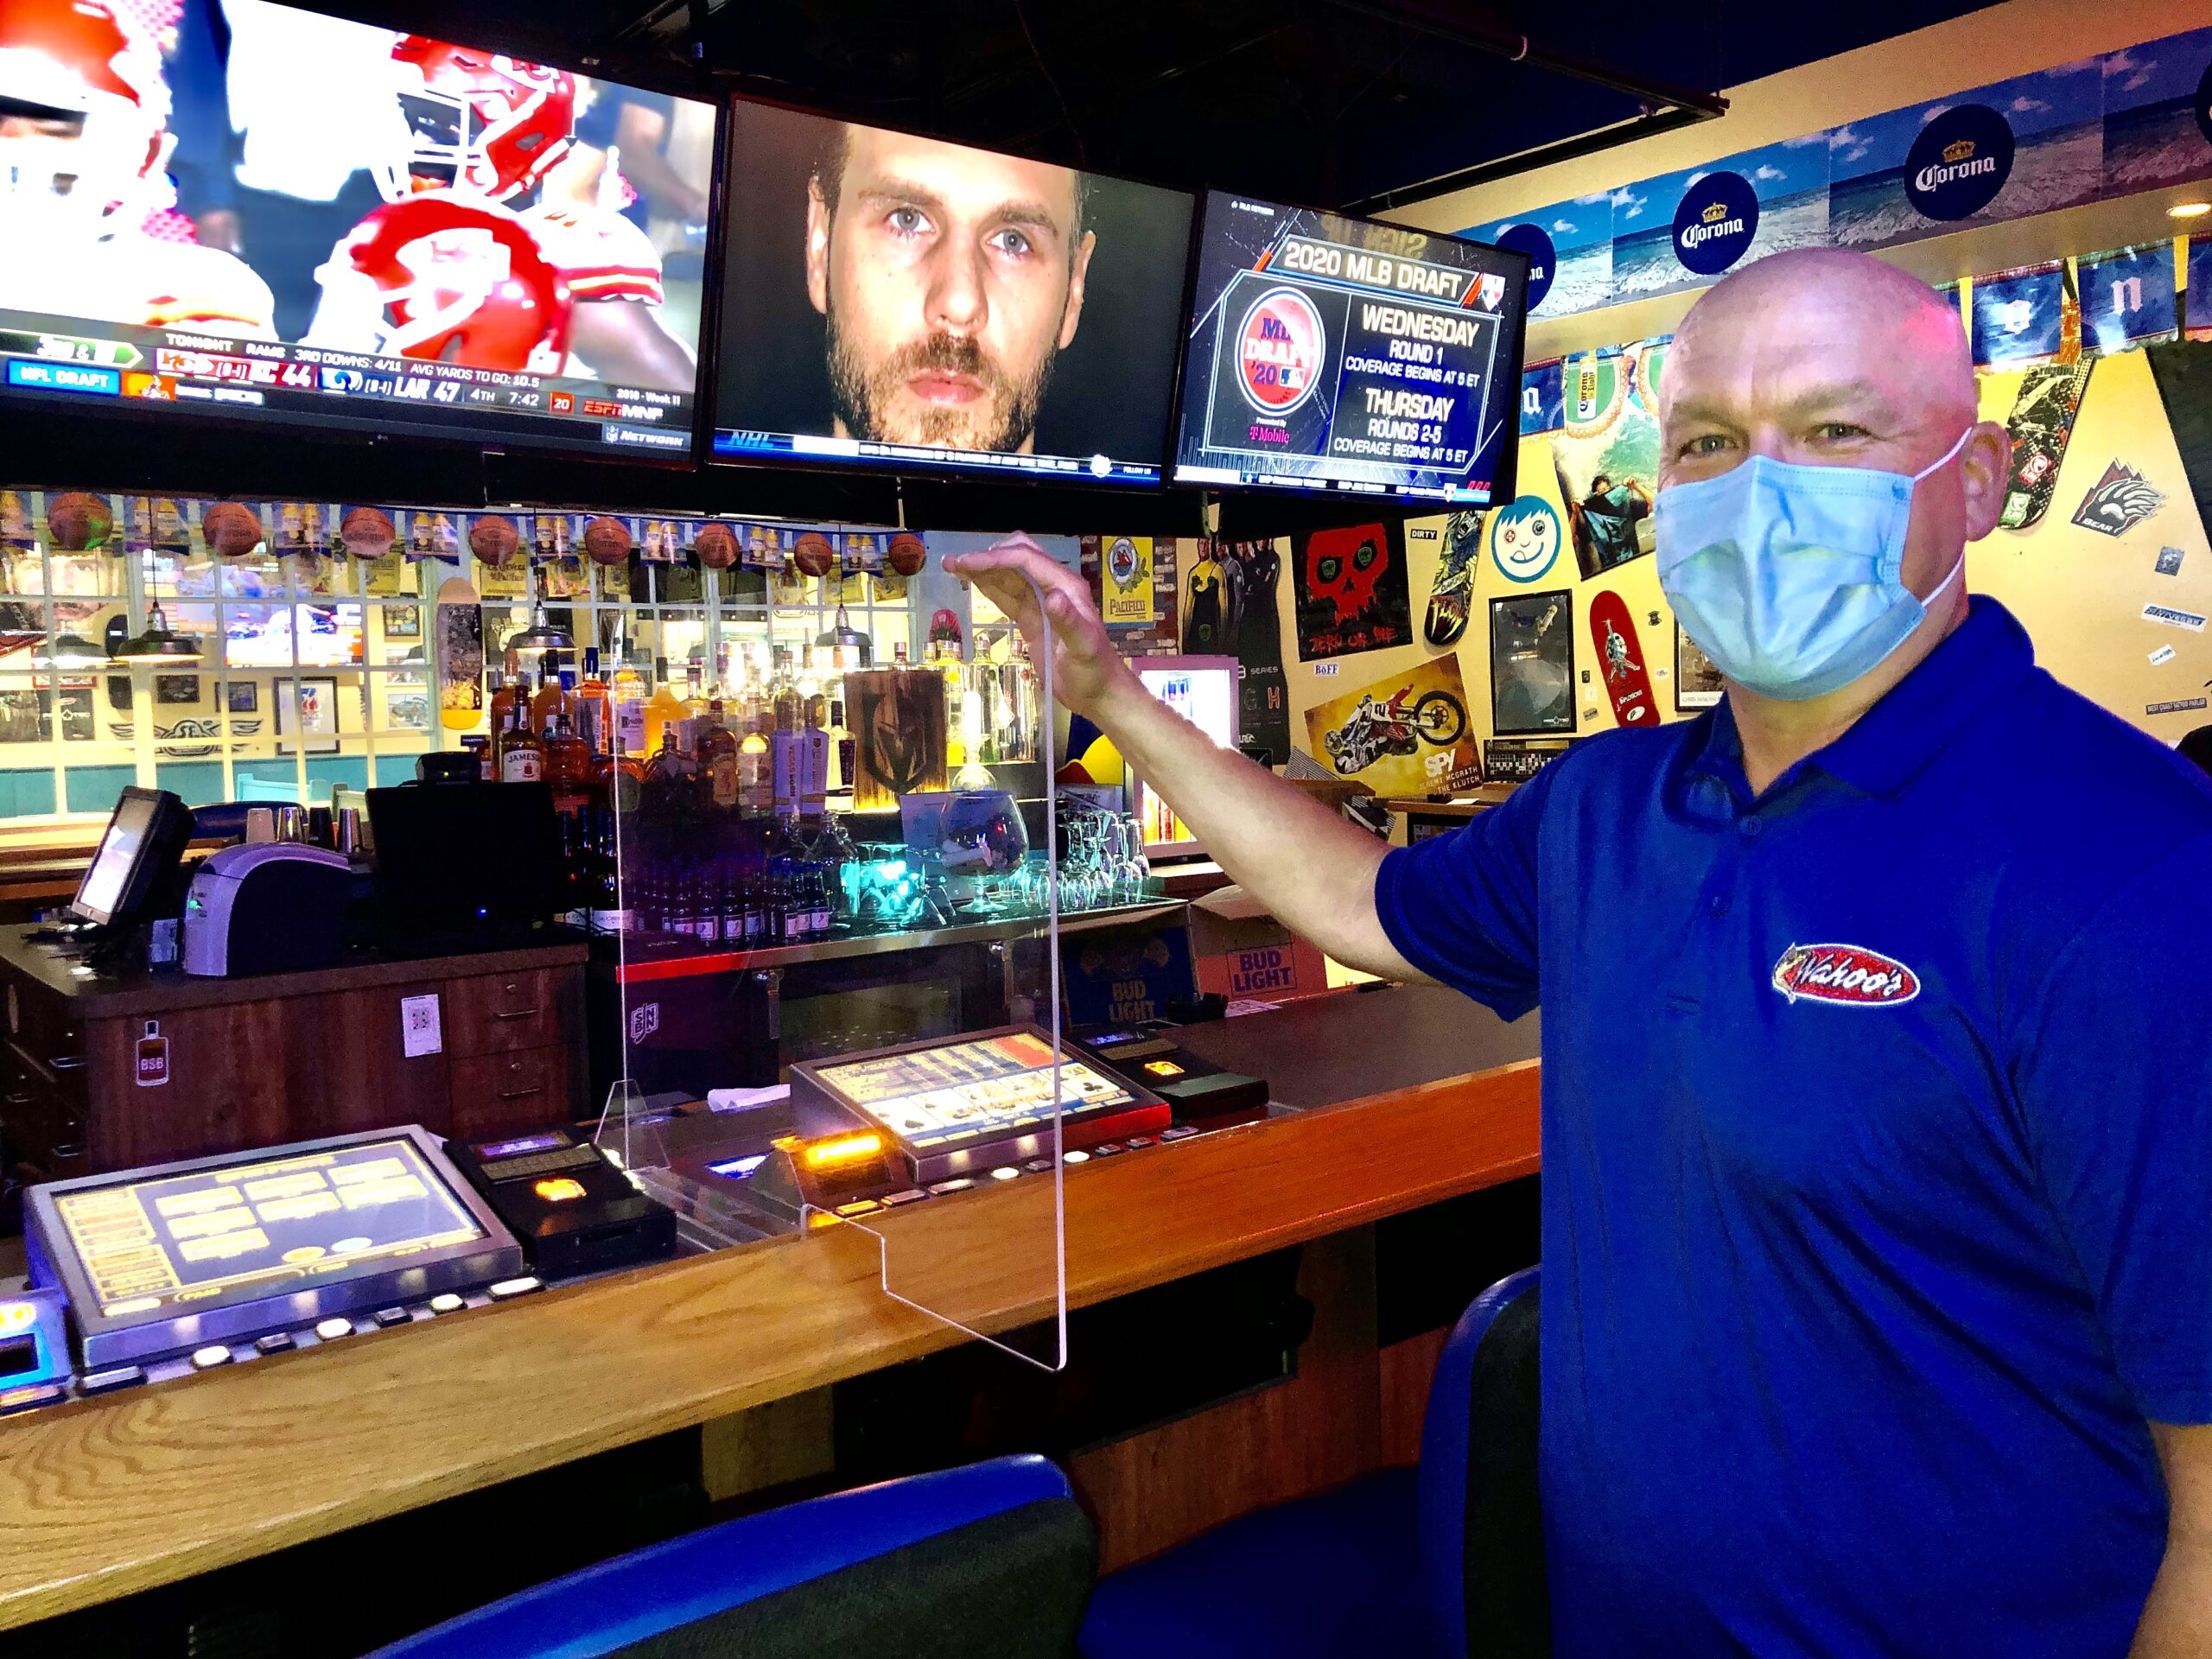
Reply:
x=1244 y=953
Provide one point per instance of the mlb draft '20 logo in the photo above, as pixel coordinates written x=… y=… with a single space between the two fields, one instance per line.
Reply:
x=1280 y=348
x=1848 y=973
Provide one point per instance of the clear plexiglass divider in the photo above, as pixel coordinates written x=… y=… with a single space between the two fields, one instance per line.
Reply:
x=844 y=1026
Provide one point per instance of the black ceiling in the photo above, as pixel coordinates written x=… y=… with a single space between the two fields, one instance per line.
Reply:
x=1322 y=102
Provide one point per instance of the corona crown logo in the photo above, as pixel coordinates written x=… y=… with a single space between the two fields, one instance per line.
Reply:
x=1714 y=214
x=1962 y=151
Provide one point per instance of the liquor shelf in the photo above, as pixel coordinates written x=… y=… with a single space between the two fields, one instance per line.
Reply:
x=657 y=960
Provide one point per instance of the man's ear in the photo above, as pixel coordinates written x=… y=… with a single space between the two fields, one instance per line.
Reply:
x=1985 y=475
x=1078 y=269
x=817 y=247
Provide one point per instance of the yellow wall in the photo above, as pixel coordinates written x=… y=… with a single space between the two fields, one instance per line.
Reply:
x=2016 y=38
x=2080 y=594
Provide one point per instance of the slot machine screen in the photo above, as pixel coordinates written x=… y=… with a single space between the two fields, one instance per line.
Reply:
x=161 y=1259
x=906 y=304
x=257 y=213
x=1335 y=353
x=938 y=1097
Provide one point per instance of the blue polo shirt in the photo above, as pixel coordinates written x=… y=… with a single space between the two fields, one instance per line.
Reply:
x=1878 y=1164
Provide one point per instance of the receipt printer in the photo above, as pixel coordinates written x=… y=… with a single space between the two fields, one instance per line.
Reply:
x=269 y=908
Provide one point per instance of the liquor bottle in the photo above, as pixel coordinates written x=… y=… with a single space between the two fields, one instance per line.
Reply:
x=591 y=694
x=755 y=785
x=661 y=708
x=608 y=913
x=502 y=704
x=695 y=696
x=814 y=699
x=627 y=677
x=553 y=698
x=627 y=692
x=945 y=659
x=718 y=766
x=522 y=752
x=567 y=767
x=841 y=738
x=783 y=692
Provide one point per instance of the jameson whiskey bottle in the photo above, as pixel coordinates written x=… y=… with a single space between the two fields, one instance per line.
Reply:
x=522 y=752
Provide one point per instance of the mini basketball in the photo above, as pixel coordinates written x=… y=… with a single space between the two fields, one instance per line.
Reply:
x=230 y=530
x=75 y=521
x=495 y=540
x=367 y=532
x=716 y=546
x=907 y=555
x=814 y=556
x=608 y=540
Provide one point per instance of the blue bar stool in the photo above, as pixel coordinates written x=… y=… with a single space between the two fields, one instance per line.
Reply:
x=992 y=1559
x=1445 y=1560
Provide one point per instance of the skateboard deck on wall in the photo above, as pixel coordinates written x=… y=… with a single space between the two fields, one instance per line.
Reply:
x=1620 y=660
x=460 y=642
x=2041 y=423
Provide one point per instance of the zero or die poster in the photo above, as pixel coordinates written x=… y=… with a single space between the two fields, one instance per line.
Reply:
x=1351 y=591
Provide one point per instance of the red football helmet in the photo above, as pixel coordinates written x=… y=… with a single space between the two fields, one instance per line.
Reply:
x=92 y=113
x=457 y=282
x=477 y=121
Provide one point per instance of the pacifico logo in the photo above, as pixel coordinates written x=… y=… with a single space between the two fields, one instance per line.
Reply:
x=1959 y=162
x=1280 y=348
x=1713 y=222
x=1848 y=973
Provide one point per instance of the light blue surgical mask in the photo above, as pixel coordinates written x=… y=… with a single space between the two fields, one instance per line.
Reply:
x=1790 y=577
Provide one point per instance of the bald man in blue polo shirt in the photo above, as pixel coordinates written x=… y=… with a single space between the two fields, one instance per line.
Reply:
x=1878 y=1075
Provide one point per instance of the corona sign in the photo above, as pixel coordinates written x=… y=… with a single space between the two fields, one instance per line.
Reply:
x=1715 y=223
x=1280 y=348
x=1959 y=162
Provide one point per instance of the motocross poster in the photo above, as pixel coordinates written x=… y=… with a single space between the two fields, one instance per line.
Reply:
x=1407 y=733
x=1351 y=591
x=1532 y=664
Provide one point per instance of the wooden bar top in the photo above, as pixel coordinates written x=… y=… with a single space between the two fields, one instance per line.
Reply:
x=131 y=994
x=110 y=1496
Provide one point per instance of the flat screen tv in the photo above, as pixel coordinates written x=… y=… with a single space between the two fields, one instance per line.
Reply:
x=265 y=214
x=913 y=306
x=1336 y=353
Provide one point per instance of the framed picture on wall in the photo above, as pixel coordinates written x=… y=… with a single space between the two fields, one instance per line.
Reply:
x=403 y=621
x=1532 y=664
x=176 y=688
x=1697 y=682
x=241 y=697
x=307 y=712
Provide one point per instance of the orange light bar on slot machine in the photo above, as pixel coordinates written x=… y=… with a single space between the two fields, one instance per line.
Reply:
x=841 y=1151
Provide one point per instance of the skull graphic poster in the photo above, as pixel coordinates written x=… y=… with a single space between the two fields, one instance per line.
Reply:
x=1407 y=733
x=1351 y=591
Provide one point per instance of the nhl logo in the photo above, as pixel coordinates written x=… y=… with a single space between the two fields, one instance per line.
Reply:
x=1280 y=345
x=1490 y=290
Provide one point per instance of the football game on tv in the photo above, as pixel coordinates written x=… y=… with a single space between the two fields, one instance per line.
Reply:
x=419 y=236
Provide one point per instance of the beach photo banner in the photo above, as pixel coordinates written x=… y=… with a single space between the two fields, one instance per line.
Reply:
x=2093 y=130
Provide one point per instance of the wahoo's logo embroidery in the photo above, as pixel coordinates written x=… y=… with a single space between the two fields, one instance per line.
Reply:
x=1845 y=973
